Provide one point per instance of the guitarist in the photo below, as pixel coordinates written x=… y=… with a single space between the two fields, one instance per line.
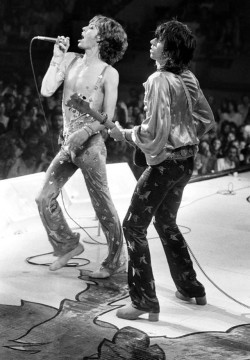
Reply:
x=176 y=116
x=104 y=42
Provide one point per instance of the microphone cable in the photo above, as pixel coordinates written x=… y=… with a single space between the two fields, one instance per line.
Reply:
x=188 y=230
x=94 y=241
x=231 y=192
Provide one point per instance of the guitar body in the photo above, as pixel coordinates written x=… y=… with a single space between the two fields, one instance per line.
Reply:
x=79 y=103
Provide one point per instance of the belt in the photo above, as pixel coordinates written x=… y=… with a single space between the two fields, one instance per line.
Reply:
x=182 y=152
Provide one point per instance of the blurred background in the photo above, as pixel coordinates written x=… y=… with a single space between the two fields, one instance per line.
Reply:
x=29 y=135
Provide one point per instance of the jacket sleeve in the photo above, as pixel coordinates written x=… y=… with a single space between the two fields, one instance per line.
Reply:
x=151 y=136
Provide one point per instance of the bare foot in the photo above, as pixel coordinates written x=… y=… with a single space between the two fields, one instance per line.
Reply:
x=62 y=260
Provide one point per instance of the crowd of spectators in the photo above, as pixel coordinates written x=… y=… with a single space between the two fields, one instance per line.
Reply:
x=29 y=132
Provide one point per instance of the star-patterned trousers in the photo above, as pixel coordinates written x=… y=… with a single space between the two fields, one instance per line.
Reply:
x=158 y=194
x=92 y=162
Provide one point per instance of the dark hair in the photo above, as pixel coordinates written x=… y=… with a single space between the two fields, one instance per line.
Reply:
x=179 y=45
x=113 y=39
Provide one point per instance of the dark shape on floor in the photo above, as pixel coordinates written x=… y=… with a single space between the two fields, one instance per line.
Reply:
x=74 y=333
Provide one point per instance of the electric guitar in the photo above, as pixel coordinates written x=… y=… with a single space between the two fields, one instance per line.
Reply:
x=78 y=102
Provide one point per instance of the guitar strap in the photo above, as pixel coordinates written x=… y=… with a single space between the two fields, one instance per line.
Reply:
x=99 y=79
x=187 y=93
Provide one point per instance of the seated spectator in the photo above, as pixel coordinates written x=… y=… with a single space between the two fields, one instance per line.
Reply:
x=214 y=107
x=131 y=118
x=246 y=130
x=242 y=147
x=223 y=110
x=137 y=115
x=121 y=114
x=204 y=160
x=227 y=134
x=231 y=136
x=10 y=104
x=246 y=153
x=25 y=164
x=232 y=115
x=244 y=106
x=7 y=153
x=45 y=159
x=230 y=161
x=4 y=120
x=140 y=102
x=216 y=148
x=22 y=125
x=133 y=97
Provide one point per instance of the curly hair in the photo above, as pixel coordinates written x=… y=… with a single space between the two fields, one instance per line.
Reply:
x=179 y=45
x=113 y=39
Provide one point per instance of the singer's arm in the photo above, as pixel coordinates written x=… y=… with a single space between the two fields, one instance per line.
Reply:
x=55 y=73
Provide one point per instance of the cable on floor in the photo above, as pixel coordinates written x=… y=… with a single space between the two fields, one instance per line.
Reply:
x=228 y=191
x=29 y=260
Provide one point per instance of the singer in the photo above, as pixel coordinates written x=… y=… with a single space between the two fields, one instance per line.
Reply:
x=104 y=42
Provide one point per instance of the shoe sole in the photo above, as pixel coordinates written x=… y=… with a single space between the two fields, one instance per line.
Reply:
x=202 y=300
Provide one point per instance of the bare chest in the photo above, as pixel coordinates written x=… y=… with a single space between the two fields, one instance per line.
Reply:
x=85 y=79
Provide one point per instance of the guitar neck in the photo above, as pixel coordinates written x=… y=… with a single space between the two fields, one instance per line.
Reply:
x=96 y=115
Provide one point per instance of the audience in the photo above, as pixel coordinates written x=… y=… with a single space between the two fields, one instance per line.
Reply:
x=230 y=161
x=29 y=140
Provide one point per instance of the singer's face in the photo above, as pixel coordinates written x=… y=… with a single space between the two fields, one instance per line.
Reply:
x=89 y=37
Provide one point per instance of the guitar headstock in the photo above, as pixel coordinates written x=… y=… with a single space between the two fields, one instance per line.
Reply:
x=77 y=102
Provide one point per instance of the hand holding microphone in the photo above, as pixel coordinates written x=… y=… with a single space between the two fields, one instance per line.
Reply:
x=61 y=46
x=61 y=43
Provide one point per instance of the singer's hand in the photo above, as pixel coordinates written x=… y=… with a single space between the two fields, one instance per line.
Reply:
x=61 y=46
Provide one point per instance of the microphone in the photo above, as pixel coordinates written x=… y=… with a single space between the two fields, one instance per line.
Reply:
x=46 y=38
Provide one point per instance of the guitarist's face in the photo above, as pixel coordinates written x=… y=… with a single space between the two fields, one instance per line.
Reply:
x=89 y=38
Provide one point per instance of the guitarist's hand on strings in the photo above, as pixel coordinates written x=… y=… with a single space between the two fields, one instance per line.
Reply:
x=117 y=133
x=120 y=134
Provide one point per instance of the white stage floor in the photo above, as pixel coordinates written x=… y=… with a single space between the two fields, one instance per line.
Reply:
x=214 y=217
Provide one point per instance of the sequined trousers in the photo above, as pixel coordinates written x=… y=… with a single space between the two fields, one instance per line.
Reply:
x=92 y=162
x=158 y=196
